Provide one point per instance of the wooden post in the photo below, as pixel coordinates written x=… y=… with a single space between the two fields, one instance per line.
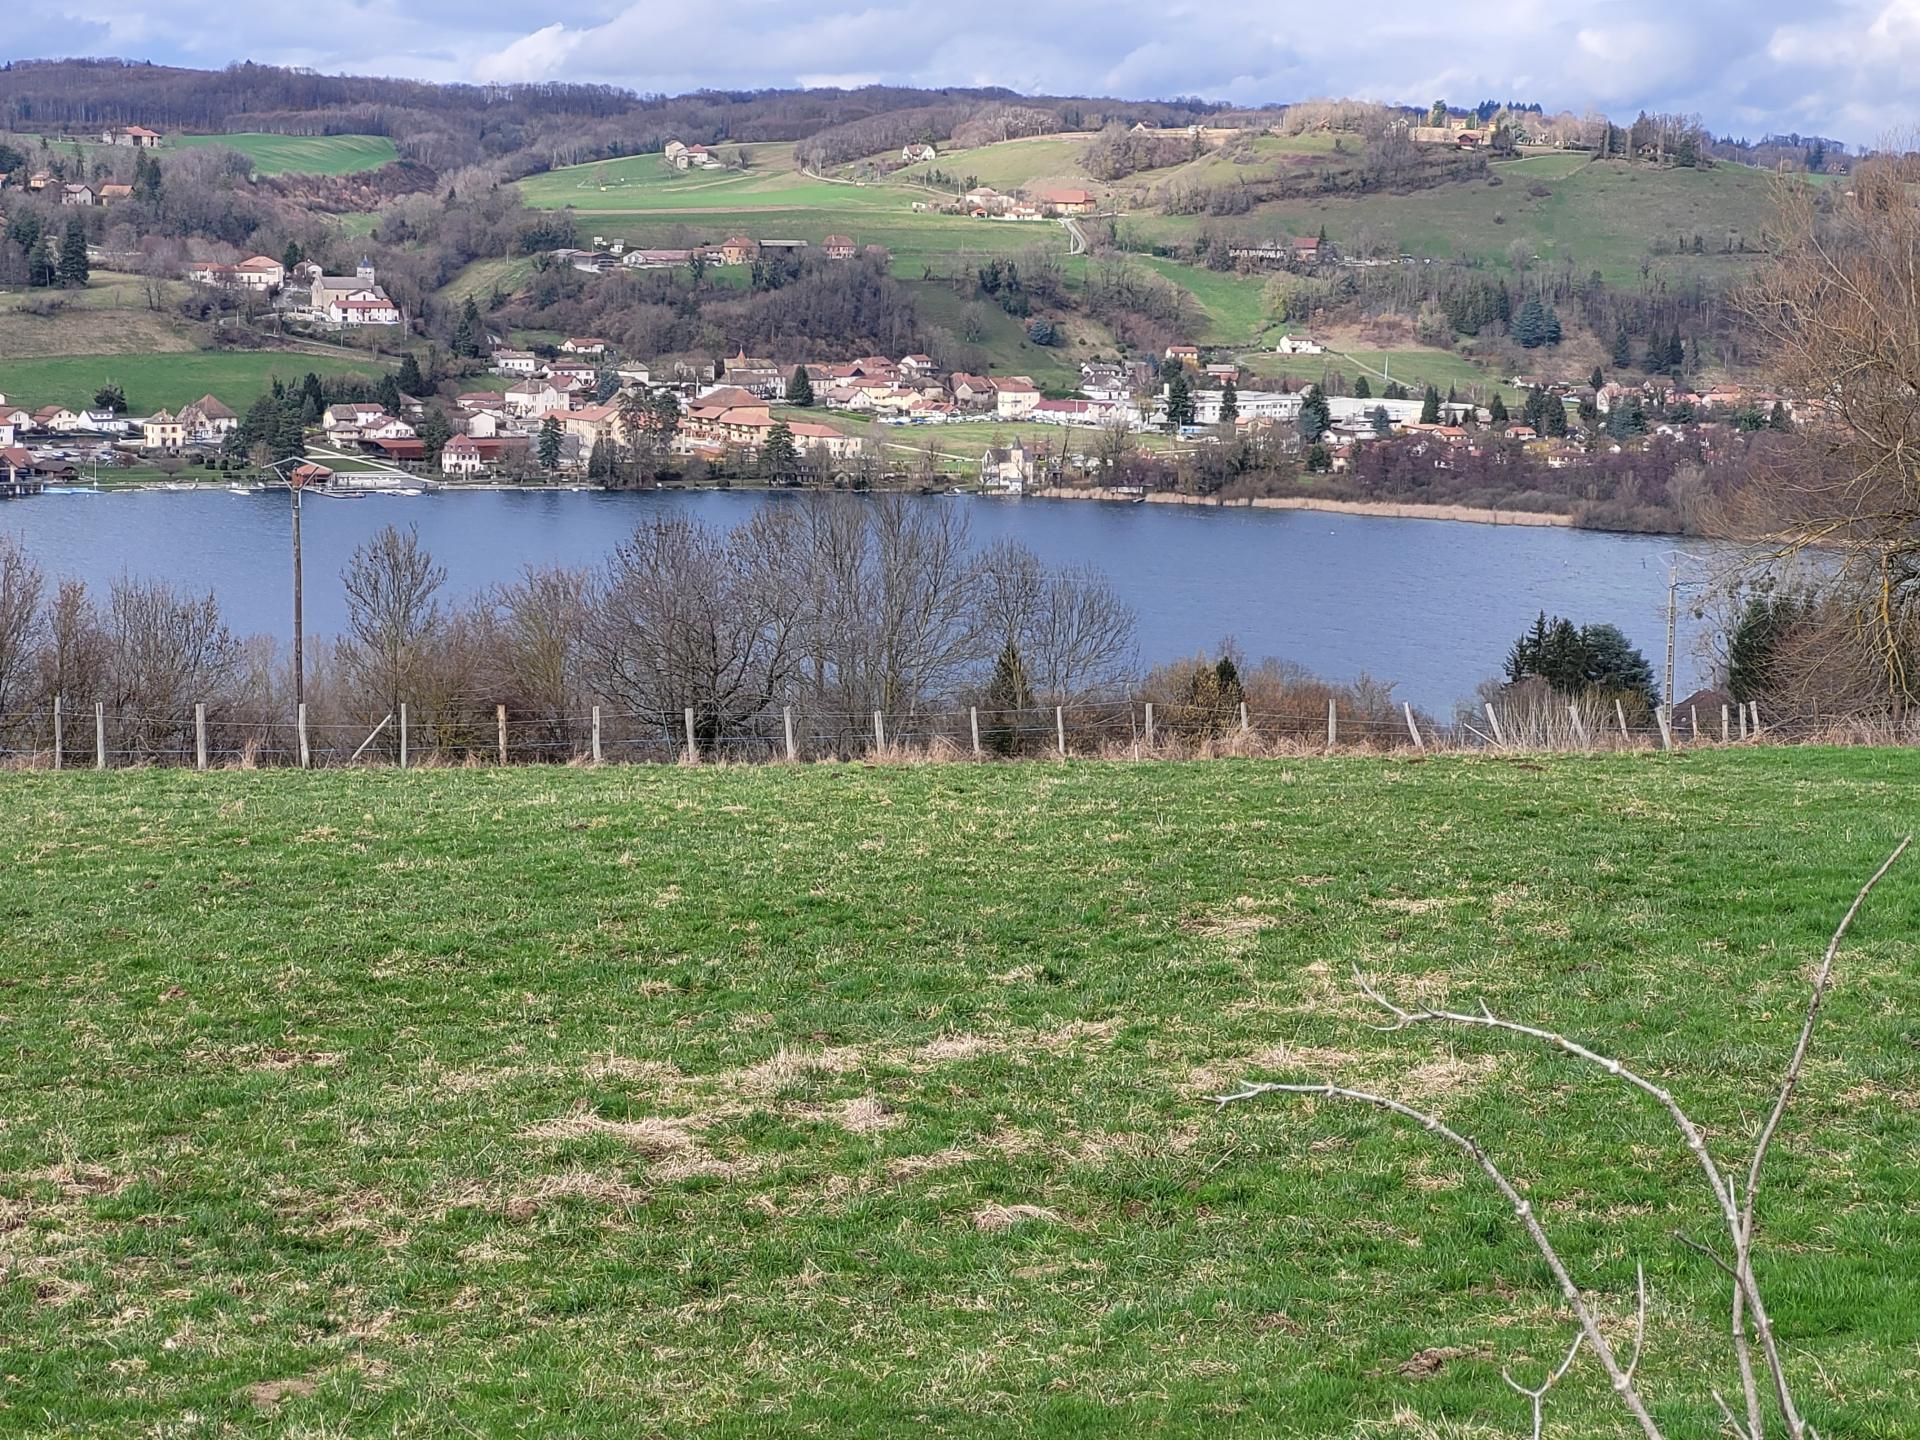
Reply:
x=1493 y=719
x=693 y=745
x=1662 y=714
x=1246 y=726
x=1413 y=728
x=1743 y=722
x=1579 y=726
x=403 y=734
x=596 y=734
x=99 y=734
x=1724 y=726
x=973 y=721
x=1333 y=723
x=500 y=726
x=59 y=739
x=786 y=714
x=200 y=737
x=1755 y=707
x=1620 y=714
x=306 y=751
x=1060 y=729
x=879 y=731
x=1149 y=722
x=1693 y=712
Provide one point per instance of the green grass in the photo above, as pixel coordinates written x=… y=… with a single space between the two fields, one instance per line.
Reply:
x=679 y=1103
x=301 y=154
x=1011 y=163
x=155 y=381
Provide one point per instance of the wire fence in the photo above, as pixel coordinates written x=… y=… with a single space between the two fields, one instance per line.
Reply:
x=99 y=736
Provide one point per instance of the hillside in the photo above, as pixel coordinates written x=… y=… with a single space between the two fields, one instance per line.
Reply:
x=739 y=1102
x=302 y=154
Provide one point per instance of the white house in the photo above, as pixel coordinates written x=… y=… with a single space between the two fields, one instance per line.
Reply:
x=515 y=362
x=535 y=397
x=461 y=456
x=915 y=154
x=1008 y=468
x=1299 y=345
x=1014 y=396
x=353 y=300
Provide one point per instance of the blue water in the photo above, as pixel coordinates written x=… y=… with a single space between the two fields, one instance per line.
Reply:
x=1430 y=605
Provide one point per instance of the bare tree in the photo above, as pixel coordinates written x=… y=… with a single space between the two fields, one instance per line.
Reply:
x=1072 y=631
x=165 y=652
x=537 y=650
x=21 y=587
x=394 y=617
x=1751 y=1325
x=1837 y=310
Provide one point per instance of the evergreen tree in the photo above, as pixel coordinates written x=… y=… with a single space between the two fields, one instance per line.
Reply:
x=110 y=396
x=73 y=271
x=1573 y=661
x=1316 y=416
x=1430 y=407
x=602 y=462
x=1554 y=416
x=547 y=445
x=470 y=334
x=800 y=388
x=409 y=378
x=1382 y=422
x=1676 y=352
x=1319 y=459
x=1229 y=403
x=1007 y=697
x=291 y=256
x=1180 y=407
x=1753 y=647
x=1778 y=419
x=1498 y=410
x=780 y=456
x=1597 y=379
x=1622 y=349
x=1656 y=353
x=146 y=179
x=1363 y=389
x=435 y=431
x=387 y=392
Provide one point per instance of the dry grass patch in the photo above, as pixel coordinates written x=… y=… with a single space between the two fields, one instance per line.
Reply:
x=1006 y=1217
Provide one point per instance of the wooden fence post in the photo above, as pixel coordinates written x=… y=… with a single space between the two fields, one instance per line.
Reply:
x=1413 y=728
x=1620 y=713
x=1661 y=714
x=973 y=722
x=693 y=745
x=1725 y=727
x=403 y=734
x=1579 y=726
x=879 y=731
x=1755 y=707
x=1693 y=712
x=1149 y=722
x=99 y=734
x=786 y=714
x=596 y=734
x=59 y=739
x=1060 y=729
x=306 y=750
x=1333 y=722
x=1743 y=722
x=500 y=725
x=1246 y=725
x=1493 y=719
x=200 y=736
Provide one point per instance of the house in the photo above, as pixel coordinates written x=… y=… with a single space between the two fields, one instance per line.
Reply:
x=1185 y=354
x=56 y=418
x=461 y=456
x=675 y=154
x=477 y=402
x=838 y=247
x=1299 y=345
x=739 y=250
x=1105 y=382
x=759 y=376
x=916 y=366
x=975 y=392
x=104 y=422
x=655 y=259
x=77 y=195
x=112 y=194
x=485 y=424
x=1014 y=395
x=576 y=345
x=162 y=431
x=307 y=473
x=814 y=438
x=1224 y=374
x=353 y=300
x=1007 y=467
x=386 y=427
x=347 y=421
x=1306 y=249
x=395 y=448
x=137 y=136
x=917 y=154
x=1065 y=200
x=634 y=377
x=257 y=272
x=515 y=362
x=208 y=421
x=534 y=397
x=591 y=424
x=39 y=180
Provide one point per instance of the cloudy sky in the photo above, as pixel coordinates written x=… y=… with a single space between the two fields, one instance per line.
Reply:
x=1838 y=67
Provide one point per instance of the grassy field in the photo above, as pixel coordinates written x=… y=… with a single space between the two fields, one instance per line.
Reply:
x=154 y=381
x=301 y=154
x=110 y=317
x=847 y=1101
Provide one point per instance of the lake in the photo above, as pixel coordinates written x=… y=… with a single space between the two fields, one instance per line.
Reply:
x=1431 y=605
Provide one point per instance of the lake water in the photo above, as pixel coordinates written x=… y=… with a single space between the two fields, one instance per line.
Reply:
x=1431 y=605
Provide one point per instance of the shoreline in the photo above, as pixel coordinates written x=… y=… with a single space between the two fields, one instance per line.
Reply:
x=1375 y=509
x=1365 y=509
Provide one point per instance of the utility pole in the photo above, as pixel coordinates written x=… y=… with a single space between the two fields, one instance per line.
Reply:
x=1673 y=598
x=299 y=607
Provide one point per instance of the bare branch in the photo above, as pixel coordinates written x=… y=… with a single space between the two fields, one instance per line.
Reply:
x=1539 y=1396
x=1523 y=1210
